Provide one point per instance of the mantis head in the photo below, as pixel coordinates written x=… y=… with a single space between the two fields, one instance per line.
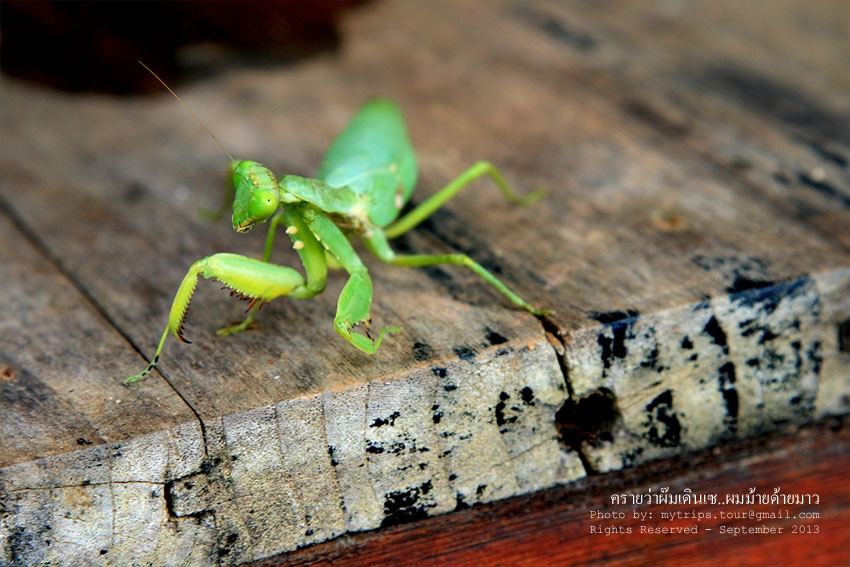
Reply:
x=257 y=194
x=256 y=190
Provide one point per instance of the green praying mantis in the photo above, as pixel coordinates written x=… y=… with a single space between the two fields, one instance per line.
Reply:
x=365 y=180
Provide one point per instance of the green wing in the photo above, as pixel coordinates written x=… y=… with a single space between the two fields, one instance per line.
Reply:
x=373 y=157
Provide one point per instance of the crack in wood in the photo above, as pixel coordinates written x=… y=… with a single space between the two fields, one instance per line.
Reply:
x=32 y=237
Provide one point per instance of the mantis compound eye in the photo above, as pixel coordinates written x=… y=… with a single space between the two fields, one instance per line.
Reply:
x=264 y=204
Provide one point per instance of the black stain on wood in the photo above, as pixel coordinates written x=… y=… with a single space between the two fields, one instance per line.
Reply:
x=604 y=343
x=726 y=384
x=389 y=420
x=494 y=338
x=527 y=395
x=663 y=427
x=715 y=331
x=460 y=503
x=782 y=178
x=814 y=355
x=843 y=333
x=208 y=465
x=767 y=299
x=556 y=29
x=827 y=154
x=825 y=188
x=742 y=272
x=406 y=505
x=20 y=545
x=651 y=360
x=631 y=456
x=619 y=325
x=610 y=317
x=135 y=192
x=437 y=416
x=499 y=411
x=743 y=283
x=590 y=419
x=652 y=117
x=227 y=545
x=465 y=353
x=422 y=351
x=797 y=346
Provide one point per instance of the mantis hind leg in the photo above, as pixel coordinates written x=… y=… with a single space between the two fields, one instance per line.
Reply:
x=312 y=256
x=430 y=205
x=248 y=278
x=355 y=301
x=379 y=246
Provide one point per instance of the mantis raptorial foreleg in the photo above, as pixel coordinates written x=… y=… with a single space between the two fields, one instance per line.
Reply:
x=378 y=245
x=312 y=256
x=248 y=278
x=267 y=252
x=437 y=200
x=356 y=298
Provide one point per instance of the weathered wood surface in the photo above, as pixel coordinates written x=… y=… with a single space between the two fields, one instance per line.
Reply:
x=553 y=527
x=695 y=246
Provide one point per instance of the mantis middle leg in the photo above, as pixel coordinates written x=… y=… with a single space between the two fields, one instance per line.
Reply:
x=312 y=256
x=378 y=245
x=431 y=204
x=356 y=298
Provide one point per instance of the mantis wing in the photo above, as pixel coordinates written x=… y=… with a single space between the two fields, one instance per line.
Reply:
x=373 y=156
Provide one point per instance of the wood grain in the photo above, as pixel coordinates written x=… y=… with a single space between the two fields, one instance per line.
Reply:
x=694 y=245
x=54 y=399
x=553 y=527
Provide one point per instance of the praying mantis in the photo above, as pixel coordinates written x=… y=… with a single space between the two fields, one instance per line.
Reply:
x=366 y=178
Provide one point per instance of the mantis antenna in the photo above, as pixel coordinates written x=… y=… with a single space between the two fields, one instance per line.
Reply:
x=189 y=108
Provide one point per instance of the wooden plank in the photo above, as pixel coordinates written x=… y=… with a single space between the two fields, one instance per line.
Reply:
x=54 y=397
x=554 y=526
x=78 y=463
x=664 y=251
x=766 y=120
x=772 y=112
x=643 y=247
x=255 y=483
